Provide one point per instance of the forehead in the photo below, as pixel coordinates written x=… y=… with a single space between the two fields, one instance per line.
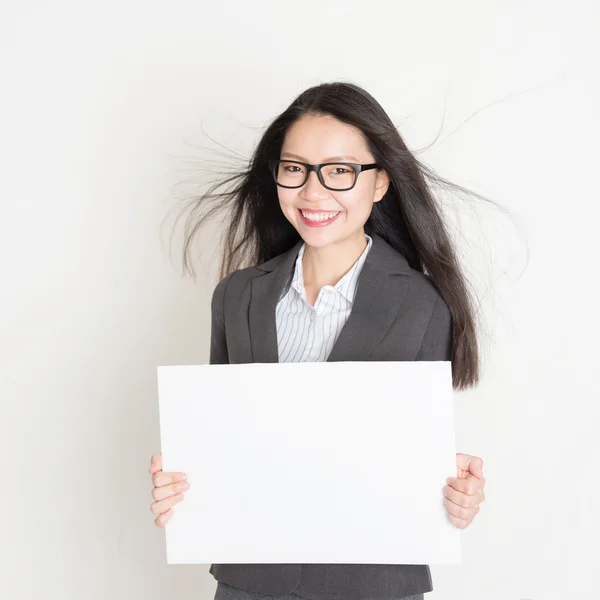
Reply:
x=318 y=138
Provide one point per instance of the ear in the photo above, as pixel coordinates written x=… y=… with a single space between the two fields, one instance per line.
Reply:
x=381 y=185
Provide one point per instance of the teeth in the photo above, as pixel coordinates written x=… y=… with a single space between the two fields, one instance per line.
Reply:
x=319 y=216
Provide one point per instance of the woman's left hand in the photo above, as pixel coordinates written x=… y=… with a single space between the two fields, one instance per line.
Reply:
x=464 y=493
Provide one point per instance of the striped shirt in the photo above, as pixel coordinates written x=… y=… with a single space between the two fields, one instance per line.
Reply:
x=308 y=333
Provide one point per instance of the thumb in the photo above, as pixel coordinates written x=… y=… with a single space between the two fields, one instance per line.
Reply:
x=476 y=467
x=472 y=464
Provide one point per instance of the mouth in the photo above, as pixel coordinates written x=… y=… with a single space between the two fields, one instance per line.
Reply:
x=318 y=218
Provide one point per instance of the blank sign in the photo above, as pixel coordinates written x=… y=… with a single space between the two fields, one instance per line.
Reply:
x=340 y=462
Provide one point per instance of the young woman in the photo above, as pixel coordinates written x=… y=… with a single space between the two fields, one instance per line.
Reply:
x=336 y=250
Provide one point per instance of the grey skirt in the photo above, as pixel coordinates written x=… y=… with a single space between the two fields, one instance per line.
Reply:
x=227 y=592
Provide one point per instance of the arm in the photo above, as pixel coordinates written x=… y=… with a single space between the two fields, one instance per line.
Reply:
x=218 y=342
x=463 y=492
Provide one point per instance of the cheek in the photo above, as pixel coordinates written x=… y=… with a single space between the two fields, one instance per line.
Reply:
x=286 y=202
x=357 y=206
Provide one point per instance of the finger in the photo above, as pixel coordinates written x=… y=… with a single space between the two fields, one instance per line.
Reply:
x=163 y=518
x=160 y=507
x=161 y=478
x=460 y=523
x=155 y=463
x=160 y=493
x=466 y=514
x=462 y=499
x=469 y=486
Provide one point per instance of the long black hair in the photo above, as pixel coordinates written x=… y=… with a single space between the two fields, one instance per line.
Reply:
x=407 y=217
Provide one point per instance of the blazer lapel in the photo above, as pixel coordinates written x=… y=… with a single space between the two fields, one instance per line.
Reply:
x=377 y=302
x=265 y=292
x=381 y=290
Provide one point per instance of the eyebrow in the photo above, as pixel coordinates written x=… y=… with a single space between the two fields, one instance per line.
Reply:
x=330 y=159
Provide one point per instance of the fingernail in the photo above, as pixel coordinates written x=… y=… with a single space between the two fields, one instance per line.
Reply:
x=183 y=486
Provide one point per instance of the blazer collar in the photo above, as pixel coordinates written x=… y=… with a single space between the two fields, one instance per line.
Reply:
x=382 y=256
x=378 y=299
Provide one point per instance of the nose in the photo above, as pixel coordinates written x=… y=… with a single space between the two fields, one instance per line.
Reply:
x=312 y=189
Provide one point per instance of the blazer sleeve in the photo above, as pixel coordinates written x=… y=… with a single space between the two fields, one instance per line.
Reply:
x=218 y=341
x=437 y=341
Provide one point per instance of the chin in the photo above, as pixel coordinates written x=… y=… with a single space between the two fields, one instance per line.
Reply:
x=318 y=239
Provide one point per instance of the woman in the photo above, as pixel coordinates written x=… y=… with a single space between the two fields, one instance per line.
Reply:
x=336 y=250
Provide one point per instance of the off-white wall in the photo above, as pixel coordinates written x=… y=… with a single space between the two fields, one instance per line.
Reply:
x=98 y=105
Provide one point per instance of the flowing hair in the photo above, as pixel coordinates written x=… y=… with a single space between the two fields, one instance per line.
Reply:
x=407 y=218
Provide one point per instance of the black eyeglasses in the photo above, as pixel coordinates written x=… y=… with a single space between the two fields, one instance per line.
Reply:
x=338 y=177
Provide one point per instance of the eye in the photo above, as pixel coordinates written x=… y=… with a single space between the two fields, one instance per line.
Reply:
x=341 y=170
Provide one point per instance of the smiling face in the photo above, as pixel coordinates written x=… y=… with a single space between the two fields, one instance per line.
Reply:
x=324 y=217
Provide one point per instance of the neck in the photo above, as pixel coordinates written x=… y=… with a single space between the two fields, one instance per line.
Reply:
x=326 y=266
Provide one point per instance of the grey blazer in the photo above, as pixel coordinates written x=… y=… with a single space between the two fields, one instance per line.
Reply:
x=398 y=314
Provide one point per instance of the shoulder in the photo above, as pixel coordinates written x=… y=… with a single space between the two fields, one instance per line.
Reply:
x=423 y=299
x=233 y=284
x=429 y=291
x=238 y=279
x=237 y=282
x=433 y=308
x=433 y=314
x=423 y=290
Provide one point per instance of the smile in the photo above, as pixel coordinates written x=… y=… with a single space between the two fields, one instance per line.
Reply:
x=317 y=218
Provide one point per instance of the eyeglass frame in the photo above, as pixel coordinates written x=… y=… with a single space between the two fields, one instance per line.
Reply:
x=358 y=169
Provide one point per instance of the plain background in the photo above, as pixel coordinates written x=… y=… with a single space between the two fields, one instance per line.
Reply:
x=100 y=104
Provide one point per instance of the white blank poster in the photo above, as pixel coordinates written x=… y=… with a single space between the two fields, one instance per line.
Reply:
x=340 y=462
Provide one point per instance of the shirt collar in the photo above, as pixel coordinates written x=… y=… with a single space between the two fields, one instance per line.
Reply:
x=346 y=286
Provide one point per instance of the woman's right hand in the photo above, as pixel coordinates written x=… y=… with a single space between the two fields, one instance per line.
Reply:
x=168 y=490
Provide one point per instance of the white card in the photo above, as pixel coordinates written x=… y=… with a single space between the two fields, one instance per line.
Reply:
x=335 y=462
